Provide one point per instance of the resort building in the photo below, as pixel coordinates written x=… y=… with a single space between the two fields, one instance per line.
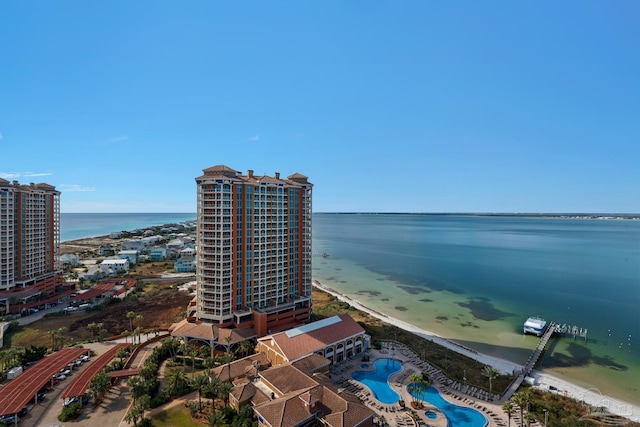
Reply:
x=298 y=394
x=254 y=250
x=335 y=338
x=29 y=243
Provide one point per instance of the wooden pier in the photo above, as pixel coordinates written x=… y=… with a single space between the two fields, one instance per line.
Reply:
x=553 y=329
x=531 y=363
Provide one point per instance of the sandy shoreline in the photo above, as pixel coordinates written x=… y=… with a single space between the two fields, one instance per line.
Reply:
x=543 y=381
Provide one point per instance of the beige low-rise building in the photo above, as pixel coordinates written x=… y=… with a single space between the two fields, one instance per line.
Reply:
x=335 y=338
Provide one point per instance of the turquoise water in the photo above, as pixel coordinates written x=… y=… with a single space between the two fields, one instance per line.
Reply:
x=457 y=416
x=476 y=280
x=378 y=380
x=81 y=225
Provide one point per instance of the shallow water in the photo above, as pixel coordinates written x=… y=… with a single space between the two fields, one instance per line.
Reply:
x=477 y=279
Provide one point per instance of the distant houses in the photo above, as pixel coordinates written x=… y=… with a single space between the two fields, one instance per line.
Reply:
x=135 y=247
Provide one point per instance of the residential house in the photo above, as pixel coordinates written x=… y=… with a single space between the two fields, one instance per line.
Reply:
x=131 y=255
x=71 y=259
x=175 y=244
x=114 y=266
x=158 y=254
x=132 y=245
x=106 y=250
x=185 y=264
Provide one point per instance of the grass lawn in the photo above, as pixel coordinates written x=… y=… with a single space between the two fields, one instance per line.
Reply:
x=177 y=416
x=38 y=332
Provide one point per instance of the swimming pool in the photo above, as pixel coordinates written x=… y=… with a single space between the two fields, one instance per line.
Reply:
x=458 y=416
x=378 y=380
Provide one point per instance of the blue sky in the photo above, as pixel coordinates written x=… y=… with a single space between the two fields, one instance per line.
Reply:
x=387 y=106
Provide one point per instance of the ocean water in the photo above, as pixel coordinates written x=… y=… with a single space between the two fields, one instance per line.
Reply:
x=476 y=279
x=81 y=225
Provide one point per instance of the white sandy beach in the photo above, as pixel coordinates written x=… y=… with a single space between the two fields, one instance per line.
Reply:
x=543 y=381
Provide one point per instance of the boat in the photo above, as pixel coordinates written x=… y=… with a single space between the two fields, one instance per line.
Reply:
x=535 y=326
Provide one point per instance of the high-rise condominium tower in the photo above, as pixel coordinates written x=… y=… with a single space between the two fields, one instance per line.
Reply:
x=29 y=242
x=254 y=250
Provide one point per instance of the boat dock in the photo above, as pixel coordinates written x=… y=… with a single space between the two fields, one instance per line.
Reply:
x=553 y=329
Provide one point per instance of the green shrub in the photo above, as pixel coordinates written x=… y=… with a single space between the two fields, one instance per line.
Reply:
x=70 y=412
x=161 y=399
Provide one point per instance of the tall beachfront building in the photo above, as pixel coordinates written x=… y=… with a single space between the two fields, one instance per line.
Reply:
x=254 y=250
x=29 y=243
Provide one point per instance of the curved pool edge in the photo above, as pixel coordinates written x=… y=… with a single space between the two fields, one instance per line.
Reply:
x=448 y=413
x=378 y=393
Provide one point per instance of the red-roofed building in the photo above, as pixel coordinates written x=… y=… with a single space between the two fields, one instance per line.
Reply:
x=336 y=338
x=293 y=396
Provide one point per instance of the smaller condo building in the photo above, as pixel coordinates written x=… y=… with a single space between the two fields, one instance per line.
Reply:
x=335 y=338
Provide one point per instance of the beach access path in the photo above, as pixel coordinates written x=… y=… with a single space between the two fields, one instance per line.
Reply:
x=543 y=381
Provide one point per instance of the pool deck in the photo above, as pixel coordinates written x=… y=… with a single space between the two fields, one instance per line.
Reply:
x=394 y=415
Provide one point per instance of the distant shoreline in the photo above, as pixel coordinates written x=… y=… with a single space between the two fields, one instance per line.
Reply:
x=601 y=216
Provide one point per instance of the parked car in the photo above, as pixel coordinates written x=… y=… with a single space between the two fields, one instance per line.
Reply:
x=10 y=419
x=22 y=412
x=70 y=401
x=84 y=399
x=60 y=377
x=41 y=397
x=65 y=371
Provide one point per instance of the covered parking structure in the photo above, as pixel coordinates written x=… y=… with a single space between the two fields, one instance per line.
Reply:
x=80 y=385
x=17 y=393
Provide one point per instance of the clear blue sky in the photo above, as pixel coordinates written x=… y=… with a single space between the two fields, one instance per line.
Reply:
x=412 y=106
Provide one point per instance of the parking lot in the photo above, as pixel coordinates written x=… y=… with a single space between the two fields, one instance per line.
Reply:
x=110 y=412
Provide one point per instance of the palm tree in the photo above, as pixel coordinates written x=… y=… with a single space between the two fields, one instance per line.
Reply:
x=177 y=383
x=136 y=385
x=417 y=389
x=521 y=399
x=53 y=334
x=508 y=409
x=125 y=334
x=216 y=419
x=529 y=418
x=223 y=392
x=491 y=373
x=246 y=347
x=130 y=316
x=139 y=318
x=99 y=386
x=199 y=383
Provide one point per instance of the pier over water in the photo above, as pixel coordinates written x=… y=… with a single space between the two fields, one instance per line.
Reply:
x=553 y=329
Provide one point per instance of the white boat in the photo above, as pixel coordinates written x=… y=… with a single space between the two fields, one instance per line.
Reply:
x=535 y=326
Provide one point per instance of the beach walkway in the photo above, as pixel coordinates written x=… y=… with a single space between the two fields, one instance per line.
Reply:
x=531 y=363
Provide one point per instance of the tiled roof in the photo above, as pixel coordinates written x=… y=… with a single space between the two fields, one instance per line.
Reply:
x=210 y=332
x=311 y=363
x=286 y=378
x=289 y=409
x=294 y=347
x=239 y=368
